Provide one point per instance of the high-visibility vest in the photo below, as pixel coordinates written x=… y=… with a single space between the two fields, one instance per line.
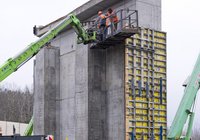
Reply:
x=113 y=17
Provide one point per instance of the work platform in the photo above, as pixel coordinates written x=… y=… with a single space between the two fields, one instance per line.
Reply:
x=118 y=37
x=127 y=26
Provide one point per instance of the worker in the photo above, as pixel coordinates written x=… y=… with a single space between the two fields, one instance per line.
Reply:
x=102 y=25
x=111 y=14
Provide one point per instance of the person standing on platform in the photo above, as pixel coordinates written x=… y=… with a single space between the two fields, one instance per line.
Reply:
x=113 y=18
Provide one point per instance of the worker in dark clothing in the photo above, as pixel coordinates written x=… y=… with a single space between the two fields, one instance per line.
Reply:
x=111 y=14
x=102 y=25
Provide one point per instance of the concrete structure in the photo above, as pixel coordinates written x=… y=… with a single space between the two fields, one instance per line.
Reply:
x=79 y=92
x=6 y=128
x=47 y=78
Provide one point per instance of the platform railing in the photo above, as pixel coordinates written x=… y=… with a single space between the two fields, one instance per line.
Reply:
x=128 y=19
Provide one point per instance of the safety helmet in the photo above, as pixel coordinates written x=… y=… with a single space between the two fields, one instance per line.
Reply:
x=100 y=12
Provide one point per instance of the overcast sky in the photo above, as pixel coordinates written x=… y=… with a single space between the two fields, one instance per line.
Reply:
x=180 y=19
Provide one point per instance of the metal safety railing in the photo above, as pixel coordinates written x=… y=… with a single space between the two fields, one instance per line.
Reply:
x=127 y=19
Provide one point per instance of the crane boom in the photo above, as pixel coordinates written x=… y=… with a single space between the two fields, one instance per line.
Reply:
x=29 y=128
x=13 y=64
x=83 y=36
x=185 y=111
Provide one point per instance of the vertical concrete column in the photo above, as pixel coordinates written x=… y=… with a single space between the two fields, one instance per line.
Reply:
x=67 y=95
x=149 y=13
x=97 y=95
x=115 y=95
x=46 y=92
x=81 y=93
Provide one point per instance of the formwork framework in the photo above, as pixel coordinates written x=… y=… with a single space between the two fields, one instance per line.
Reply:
x=145 y=87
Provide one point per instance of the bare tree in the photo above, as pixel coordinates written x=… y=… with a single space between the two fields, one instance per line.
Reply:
x=16 y=105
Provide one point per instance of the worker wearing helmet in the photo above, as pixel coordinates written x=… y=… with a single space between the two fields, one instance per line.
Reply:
x=112 y=16
x=102 y=25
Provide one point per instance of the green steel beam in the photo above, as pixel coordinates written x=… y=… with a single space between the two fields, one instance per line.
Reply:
x=184 y=111
x=190 y=125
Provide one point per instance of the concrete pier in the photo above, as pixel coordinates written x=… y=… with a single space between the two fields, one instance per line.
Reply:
x=46 y=85
x=79 y=92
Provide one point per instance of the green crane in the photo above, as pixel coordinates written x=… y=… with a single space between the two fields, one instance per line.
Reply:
x=186 y=108
x=83 y=36
x=13 y=64
x=29 y=128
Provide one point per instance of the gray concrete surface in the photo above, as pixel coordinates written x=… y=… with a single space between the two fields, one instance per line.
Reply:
x=149 y=12
x=115 y=108
x=90 y=90
x=46 y=84
x=97 y=94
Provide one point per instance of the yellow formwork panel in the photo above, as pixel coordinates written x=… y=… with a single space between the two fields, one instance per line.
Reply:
x=129 y=52
x=141 y=98
x=160 y=34
x=159 y=75
x=157 y=100
x=141 y=130
x=137 y=36
x=156 y=131
x=145 y=62
x=145 y=54
x=163 y=119
x=157 y=80
x=160 y=69
x=148 y=67
x=129 y=41
x=130 y=59
x=138 y=59
x=137 y=53
x=141 y=111
x=138 y=118
x=160 y=45
x=157 y=93
x=138 y=72
x=158 y=40
x=160 y=63
x=163 y=107
x=142 y=124
x=164 y=101
x=141 y=136
x=160 y=52
x=160 y=57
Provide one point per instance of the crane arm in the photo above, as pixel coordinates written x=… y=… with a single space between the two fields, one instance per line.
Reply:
x=29 y=128
x=13 y=64
x=185 y=108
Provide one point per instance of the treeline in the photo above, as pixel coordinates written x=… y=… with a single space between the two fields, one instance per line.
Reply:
x=16 y=105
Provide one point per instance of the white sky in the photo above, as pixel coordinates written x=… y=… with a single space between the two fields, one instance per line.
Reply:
x=180 y=19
